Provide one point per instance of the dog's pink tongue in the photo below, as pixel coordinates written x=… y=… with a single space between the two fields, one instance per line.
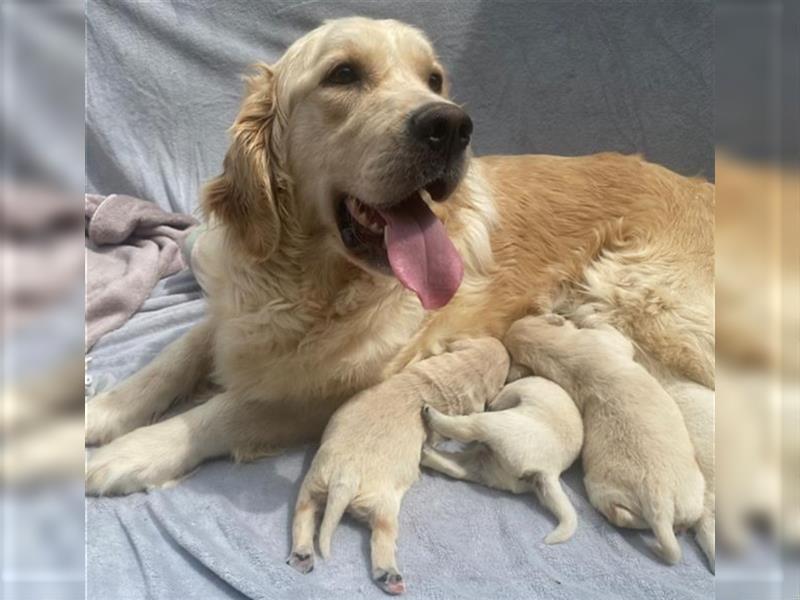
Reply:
x=422 y=256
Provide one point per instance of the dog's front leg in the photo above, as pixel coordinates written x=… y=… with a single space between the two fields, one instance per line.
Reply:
x=146 y=395
x=152 y=456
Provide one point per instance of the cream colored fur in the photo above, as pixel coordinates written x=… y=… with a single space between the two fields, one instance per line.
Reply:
x=696 y=403
x=370 y=450
x=295 y=327
x=639 y=462
x=532 y=435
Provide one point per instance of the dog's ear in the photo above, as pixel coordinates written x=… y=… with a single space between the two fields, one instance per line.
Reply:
x=245 y=196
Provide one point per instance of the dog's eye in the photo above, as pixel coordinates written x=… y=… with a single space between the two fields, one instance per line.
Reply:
x=344 y=74
x=435 y=82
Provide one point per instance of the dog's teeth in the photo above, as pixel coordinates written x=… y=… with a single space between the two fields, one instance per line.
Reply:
x=364 y=215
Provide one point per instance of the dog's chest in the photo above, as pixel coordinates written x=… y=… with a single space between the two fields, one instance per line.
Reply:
x=303 y=350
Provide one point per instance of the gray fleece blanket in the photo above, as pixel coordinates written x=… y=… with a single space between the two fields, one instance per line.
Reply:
x=558 y=77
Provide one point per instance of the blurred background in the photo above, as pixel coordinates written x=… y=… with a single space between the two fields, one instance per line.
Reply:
x=41 y=193
x=758 y=299
x=757 y=174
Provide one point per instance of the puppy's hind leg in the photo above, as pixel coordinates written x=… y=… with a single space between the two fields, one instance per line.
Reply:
x=384 y=524
x=340 y=495
x=509 y=397
x=302 y=557
x=458 y=465
x=466 y=428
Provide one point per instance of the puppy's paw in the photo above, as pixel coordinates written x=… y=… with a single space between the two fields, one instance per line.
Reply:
x=390 y=581
x=431 y=416
x=301 y=562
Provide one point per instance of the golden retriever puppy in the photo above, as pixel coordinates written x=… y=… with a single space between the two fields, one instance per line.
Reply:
x=639 y=463
x=370 y=451
x=533 y=434
x=696 y=403
x=351 y=233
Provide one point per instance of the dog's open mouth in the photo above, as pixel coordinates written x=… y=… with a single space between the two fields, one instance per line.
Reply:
x=406 y=239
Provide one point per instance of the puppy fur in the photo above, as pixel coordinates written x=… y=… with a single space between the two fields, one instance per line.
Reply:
x=370 y=451
x=533 y=433
x=639 y=463
x=696 y=403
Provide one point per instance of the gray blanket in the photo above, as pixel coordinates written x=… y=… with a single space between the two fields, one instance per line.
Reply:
x=563 y=78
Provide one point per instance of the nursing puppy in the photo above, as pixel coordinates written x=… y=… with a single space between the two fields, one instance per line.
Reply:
x=639 y=463
x=370 y=451
x=532 y=435
x=696 y=403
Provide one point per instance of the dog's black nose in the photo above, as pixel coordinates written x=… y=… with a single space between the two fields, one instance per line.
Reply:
x=444 y=128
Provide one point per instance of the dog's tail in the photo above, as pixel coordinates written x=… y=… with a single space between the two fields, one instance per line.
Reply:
x=340 y=494
x=660 y=515
x=552 y=496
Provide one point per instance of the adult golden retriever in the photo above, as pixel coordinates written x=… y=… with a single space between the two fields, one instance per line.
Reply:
x=351 y=233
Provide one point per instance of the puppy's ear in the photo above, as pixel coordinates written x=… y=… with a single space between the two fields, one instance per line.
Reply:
x=244 y=197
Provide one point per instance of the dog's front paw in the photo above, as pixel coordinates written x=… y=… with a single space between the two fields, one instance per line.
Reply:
x=390 y=581
x=138 y=461
x=301 y=562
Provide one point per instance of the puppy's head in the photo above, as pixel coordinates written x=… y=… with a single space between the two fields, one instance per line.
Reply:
x=351 y=134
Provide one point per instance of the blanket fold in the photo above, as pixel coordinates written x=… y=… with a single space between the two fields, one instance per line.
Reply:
x=130 y=245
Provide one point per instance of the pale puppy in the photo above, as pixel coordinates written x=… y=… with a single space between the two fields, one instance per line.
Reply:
x=532 y=435
x=639 y=463
x=370 y=451
x=696 y=403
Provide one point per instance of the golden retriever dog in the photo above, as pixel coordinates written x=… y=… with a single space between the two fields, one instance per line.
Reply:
x=352 y=233
x=370 y=452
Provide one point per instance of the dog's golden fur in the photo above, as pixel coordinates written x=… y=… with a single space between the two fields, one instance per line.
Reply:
x=295 y=327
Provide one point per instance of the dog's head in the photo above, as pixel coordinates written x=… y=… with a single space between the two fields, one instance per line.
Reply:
x=350 y=133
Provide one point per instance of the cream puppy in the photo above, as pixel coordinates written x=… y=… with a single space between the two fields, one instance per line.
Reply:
x=532 y=435
x=696 y=403
x=639 y=463
x=370 y=451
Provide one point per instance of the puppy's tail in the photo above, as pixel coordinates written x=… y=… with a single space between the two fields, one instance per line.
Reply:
x=552 y=496
x=340 y=495
x=660 y=516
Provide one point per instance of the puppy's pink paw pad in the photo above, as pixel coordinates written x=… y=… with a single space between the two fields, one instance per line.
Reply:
x=302 y=563
x=391 y=583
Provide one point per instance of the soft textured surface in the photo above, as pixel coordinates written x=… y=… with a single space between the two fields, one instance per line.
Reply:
x=130 y=245
x=562 y=78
